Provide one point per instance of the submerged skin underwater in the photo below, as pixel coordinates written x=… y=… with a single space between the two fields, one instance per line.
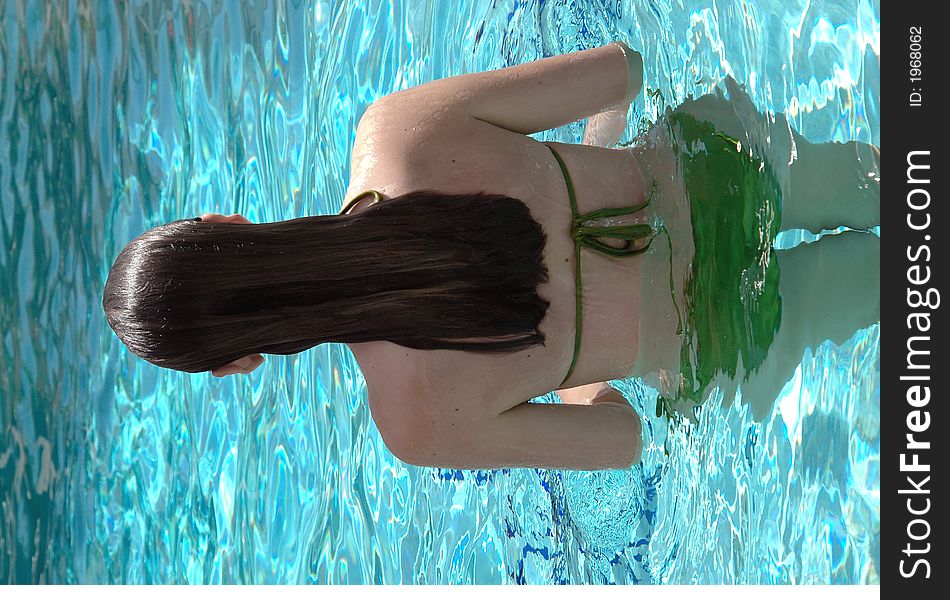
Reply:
x=716 y=181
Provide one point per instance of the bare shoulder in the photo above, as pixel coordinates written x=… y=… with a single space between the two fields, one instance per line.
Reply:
x=410 y=146
x=398 y=144
x=394 y=393
x=425 y=424
x=414 y=405
x=406 y=118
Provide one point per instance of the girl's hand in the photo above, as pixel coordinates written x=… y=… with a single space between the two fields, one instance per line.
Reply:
x=219 y=218
x=606 y=128
x=242 y=365
x=248 y=363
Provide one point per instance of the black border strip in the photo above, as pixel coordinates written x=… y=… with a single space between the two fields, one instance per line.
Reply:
x=913 y=373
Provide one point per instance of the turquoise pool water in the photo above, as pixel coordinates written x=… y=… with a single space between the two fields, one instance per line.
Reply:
x=115 y=117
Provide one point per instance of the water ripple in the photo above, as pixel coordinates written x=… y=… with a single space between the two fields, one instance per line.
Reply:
x=117 y=116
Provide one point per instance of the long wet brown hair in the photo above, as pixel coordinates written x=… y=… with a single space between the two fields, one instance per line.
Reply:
x=424 y=270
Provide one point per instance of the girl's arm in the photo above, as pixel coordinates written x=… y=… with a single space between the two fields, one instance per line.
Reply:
x=606 y=435
x=535 y=96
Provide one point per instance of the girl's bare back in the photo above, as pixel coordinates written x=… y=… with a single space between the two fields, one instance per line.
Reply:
x=446 y=136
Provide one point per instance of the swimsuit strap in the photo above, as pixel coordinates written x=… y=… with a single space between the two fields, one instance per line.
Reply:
x=585 y=233
x=377 y=197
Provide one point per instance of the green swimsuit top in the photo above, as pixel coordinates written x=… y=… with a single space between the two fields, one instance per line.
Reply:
x=584 y=233
x=377 y=197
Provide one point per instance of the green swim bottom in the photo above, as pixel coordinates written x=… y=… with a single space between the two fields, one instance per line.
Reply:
x=732 y=305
